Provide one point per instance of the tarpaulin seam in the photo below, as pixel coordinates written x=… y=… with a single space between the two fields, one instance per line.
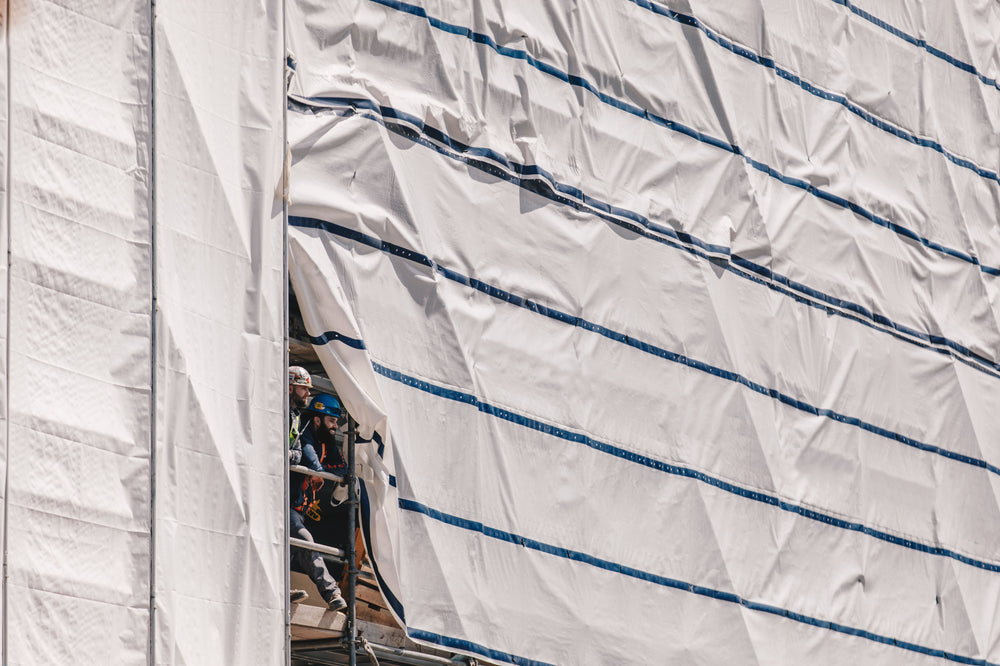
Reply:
x=875 y=121
x=680 y=128
x=622 y=338
x=527 y=176
x=919 y=43
x=675 y=469
x=674 y=583
x=5 y=528
x=469 y=646
x=286 y=526
x=155 y=343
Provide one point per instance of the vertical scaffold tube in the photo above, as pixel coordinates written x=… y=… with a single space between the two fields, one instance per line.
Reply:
x=352 y=556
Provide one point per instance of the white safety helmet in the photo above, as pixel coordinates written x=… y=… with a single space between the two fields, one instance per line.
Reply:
x=298 y=376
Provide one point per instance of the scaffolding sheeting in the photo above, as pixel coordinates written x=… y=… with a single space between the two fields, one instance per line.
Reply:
x=676 y=326
x=143 y=489
x=220 y=493
x=77 y=498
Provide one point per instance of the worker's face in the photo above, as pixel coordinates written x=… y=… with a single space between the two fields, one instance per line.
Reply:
x=298 y=394
x=330 y=425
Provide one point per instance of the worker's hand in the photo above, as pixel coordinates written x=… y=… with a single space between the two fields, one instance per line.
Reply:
x=315 y=482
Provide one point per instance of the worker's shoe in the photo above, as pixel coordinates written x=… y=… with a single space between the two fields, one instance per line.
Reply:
x=298 y=596
x=337 y=603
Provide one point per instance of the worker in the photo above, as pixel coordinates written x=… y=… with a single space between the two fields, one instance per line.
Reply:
x=299 y=387
x=303 y=495
x=325 y=415
x=328 y=517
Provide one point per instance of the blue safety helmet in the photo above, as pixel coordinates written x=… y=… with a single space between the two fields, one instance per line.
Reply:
x=326 y=405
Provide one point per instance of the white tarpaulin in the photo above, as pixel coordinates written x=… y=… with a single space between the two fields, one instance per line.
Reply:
x=77 y=495
x=221 y=569
x=676 y=322
x=143 y=456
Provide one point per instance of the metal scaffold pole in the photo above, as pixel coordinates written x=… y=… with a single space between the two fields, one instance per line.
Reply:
x=351 y=636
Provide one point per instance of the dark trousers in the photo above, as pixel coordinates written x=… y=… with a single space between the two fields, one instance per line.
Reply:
x=310 y=562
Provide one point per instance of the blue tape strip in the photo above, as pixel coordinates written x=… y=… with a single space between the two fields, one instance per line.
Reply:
x=815 y=90
x=475 y=648
x=377 y=438
x=680 y=128
x=622 y=338
x=527 y=178
x=331 y=336
x=397 y=607
x=919 y=43
x=675 y=470
x=664 y=581
x=390 y=596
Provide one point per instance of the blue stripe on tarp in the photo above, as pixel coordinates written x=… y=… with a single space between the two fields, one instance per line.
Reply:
x=397 y=607
x=622 y=338
x=377 y=438
x=815 y=90
x=331 y=336
x=919 y=43
x=469 y=646
x=675 y=470
x=526 y=177
x=664 y=581
x=680 y=128
x=390 y=596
